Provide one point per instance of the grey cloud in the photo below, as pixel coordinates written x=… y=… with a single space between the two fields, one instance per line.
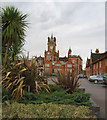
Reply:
x=79 y=25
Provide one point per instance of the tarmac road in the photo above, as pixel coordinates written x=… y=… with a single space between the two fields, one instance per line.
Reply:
x=97 y=91
x=98 y=94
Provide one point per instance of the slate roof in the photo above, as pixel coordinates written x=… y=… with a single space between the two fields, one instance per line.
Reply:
x=96 y=56
x=63 y=63
x=63 y=59
x=76 y=56
x=88 y=61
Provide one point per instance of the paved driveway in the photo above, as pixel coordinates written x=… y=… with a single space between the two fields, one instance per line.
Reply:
x=97 y=92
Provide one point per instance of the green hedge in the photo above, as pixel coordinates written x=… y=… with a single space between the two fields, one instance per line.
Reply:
x=16 y=110
x=57 y=96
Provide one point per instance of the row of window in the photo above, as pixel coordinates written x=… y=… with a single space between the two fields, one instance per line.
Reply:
x=97 y=65
x=55 y=70
x=49 y=57
x=69 y=65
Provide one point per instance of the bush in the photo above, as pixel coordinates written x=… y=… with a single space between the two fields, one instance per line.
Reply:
x=16 y=110
x=55 y=88
x=67 y=82
x=6 y=95
x=19 y=76
x=57 y=97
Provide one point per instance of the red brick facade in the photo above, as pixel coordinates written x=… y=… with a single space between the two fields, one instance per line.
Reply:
x=52 y=61
x=97 y=64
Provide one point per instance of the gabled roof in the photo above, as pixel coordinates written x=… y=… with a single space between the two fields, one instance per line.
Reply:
x=75 y=56
x=58 y=63
x=63 y=63
x=88 y=61
x=96 y=56
x=63 y=58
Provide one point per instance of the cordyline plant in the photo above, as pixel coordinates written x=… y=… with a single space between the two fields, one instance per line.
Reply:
x=67 y=81
x=20 y=76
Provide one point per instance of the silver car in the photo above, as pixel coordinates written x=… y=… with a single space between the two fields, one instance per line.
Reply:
x=96 y=78
x=92 y=78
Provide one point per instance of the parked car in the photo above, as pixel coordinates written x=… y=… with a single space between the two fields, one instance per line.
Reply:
x=96 y=78
x=82 y=76
x=92 y=78
x=99 y=78
x=105 y=80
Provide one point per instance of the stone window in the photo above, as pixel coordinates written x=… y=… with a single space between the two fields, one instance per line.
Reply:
x=100 y=64
x=48 y=58
x=97 y=66
x=73 y=61
x=94 y=66
x=59 y=69
x=57 y=65
x=47 y=65
x=53 y=63
x=69 y=65
x=48 y=53
x=69 y=70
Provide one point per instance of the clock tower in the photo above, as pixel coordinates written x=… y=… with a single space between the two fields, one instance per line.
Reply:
x=51 y=54
x=52 y=44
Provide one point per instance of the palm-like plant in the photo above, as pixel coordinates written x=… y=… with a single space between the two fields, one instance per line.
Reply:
x=66 y=81
x=13 y=28
x=19 y=76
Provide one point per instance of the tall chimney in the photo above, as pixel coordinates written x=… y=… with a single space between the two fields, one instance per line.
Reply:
x=54 y=39
x=97 y=51
x=48 y=39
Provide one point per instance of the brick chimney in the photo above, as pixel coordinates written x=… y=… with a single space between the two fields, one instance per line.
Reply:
x=54 y=39
x=97 y=51
x=58 y=53
x=48 y=39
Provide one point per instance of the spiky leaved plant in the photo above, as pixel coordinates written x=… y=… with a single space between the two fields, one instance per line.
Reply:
x=67 y=81
x=20 y=76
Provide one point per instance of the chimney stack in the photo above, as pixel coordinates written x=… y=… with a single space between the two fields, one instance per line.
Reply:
x=97 y=51
x=48 y=39
x=54 y=39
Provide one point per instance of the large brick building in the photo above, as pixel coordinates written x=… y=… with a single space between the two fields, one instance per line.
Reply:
x=51 y=62
x=97 y=64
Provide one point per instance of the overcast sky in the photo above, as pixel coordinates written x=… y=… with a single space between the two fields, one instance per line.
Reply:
x=79 y=25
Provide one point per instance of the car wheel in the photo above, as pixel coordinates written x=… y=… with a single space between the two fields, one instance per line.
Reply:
x=96 y=81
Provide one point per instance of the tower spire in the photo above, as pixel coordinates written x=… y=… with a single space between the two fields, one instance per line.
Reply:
x=52 y=36
x=69 y=52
